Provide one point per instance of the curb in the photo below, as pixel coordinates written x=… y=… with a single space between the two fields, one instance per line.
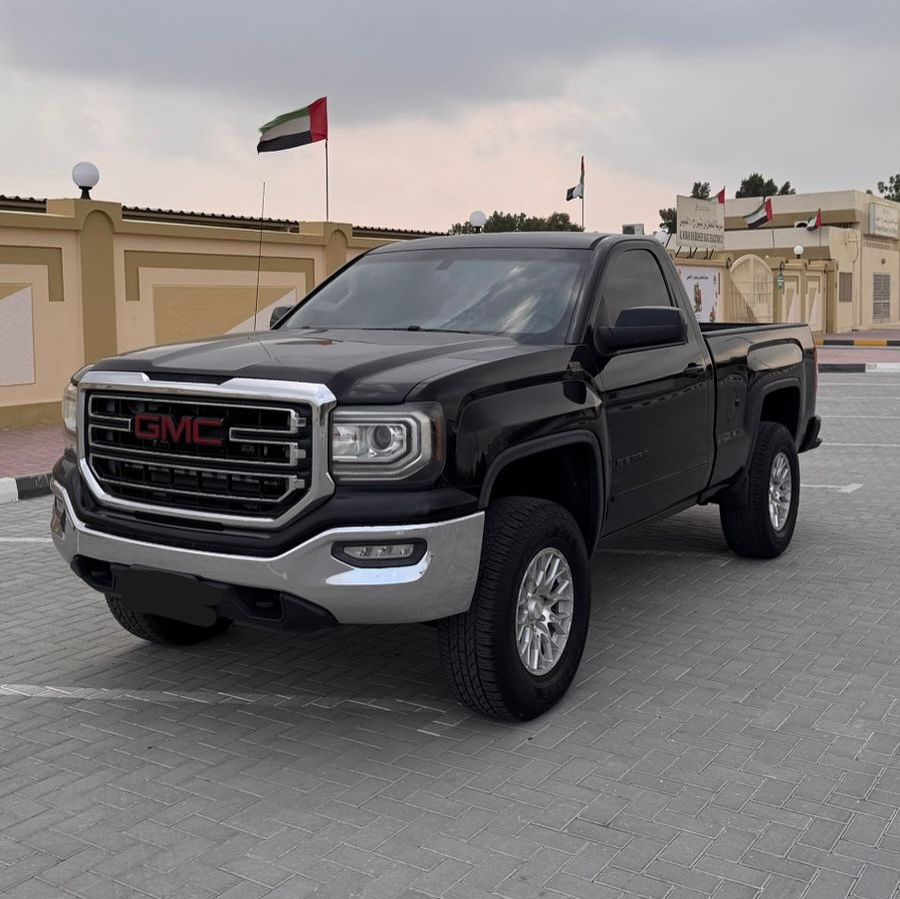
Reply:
x=858 y=341
x=25 y=487
x=858 y=367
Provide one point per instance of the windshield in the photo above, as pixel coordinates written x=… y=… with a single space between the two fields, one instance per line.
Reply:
x=527 y=294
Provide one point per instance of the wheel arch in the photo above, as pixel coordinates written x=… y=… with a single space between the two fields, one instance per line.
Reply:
x=563 y=460
x=781 y=404
x=779 y=401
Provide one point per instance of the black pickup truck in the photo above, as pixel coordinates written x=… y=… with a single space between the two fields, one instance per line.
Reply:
x=441 y=432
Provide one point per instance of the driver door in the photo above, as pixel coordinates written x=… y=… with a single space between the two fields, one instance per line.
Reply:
x=656 y=399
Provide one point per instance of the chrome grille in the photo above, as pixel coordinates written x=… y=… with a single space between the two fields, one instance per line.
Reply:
x=199 y=454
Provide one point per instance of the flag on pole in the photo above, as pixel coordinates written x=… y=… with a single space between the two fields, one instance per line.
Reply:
x=815 y=221
x=294 y=129
x=720 y=196
x=760 y=215
x=578 y=190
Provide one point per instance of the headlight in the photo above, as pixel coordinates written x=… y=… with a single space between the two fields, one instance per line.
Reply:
x=70 y=409
x=385 y=444
x=70 y=416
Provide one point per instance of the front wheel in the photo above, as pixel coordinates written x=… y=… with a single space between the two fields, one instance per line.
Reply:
x=515 y=651
x=762 y=527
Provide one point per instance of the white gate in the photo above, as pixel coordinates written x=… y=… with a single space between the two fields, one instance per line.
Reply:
x=751 y=290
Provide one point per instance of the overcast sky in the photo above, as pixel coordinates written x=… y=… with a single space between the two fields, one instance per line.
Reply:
x=439 y=108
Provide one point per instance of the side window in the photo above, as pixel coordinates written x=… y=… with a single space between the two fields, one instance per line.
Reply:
x=632 y=279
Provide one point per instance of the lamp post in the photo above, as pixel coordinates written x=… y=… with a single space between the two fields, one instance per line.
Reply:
x=477 y=220
x=85 y=175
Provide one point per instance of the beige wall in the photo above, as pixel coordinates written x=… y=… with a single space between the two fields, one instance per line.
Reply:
x=79 y=282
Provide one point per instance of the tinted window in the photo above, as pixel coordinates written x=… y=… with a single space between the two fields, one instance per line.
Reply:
x=524 y=293
x=633 y=278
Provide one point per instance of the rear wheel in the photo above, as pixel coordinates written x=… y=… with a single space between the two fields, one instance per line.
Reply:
x=762 y=527
x=515 y=652
x=167 y=631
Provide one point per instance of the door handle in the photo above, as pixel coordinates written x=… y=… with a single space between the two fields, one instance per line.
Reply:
x=693 y=370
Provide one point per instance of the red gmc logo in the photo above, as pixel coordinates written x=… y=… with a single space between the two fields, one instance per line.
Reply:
x=188 y=429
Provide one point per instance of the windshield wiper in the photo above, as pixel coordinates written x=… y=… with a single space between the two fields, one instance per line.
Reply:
x=437 y=330
x=398 y=328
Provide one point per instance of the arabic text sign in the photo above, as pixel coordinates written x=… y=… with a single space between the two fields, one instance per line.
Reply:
x=701 y=223
x=884 y=220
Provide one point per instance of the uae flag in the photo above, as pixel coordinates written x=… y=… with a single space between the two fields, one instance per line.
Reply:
x=720 y=197
x=294 y=129
x=760 y=216
x=815 y=221
x=578 y=190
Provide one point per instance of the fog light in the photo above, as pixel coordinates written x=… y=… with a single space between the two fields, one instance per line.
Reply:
x=380 y=554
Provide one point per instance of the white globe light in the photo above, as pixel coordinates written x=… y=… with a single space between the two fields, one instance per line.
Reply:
x=798 y=251
x=85 y=175
x=477 y=219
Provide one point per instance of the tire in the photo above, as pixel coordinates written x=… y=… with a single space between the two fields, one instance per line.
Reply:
x=750 y=529
x=479 y=648
x=166 y=631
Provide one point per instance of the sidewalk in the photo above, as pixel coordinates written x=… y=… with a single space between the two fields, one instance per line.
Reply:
x=859 y=358
x=26 y=458
x=877 y=337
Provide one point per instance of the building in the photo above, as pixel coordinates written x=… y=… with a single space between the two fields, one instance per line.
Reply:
x=856 y=252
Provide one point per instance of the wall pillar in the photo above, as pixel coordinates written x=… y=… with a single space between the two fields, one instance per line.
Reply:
x=335 y=250
x=98 y=289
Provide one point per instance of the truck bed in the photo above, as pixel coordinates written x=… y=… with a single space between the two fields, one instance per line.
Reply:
x=750 y=361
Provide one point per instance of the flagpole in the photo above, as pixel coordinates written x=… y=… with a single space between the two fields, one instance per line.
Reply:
x=262 y=215
x=327 y=210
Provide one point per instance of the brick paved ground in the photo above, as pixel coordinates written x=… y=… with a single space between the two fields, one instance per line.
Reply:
x=29 y=450
x=733 y=732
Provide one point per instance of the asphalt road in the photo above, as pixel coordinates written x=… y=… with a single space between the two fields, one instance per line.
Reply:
x=733 y=731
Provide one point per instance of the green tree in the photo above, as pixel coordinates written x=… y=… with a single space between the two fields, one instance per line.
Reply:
x=700 y=190
x=754 y=185
x=668 y=216
x=519 y=221
x=890 y=190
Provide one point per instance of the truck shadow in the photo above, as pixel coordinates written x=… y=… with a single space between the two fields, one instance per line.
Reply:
x=646 y=576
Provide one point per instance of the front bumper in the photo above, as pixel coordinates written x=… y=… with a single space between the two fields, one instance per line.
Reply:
x=440 y=584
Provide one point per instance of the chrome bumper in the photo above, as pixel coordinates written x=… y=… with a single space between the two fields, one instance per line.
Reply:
x=442 y=583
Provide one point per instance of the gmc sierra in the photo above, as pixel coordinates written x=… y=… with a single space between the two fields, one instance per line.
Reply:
x=441 y=432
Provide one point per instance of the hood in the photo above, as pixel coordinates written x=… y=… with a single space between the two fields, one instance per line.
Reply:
x=357 y=366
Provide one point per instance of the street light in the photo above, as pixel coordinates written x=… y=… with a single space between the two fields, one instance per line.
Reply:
x=477 y=220
x=85 y=175
x=798 y=251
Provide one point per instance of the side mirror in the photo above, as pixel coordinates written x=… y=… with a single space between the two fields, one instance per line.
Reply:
x=643 y=326
x=278 y=313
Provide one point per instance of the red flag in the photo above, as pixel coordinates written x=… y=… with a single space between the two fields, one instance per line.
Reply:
x=720 y=196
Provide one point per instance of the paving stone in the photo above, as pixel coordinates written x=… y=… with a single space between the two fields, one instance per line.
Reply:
x=830 y=885
x=733 y=732
x=877 y=882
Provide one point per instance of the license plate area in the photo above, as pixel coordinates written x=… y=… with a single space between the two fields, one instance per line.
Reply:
x=169 y=595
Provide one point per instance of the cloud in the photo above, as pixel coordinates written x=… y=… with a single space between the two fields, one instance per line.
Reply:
x=397 y=57
x=437 y=109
